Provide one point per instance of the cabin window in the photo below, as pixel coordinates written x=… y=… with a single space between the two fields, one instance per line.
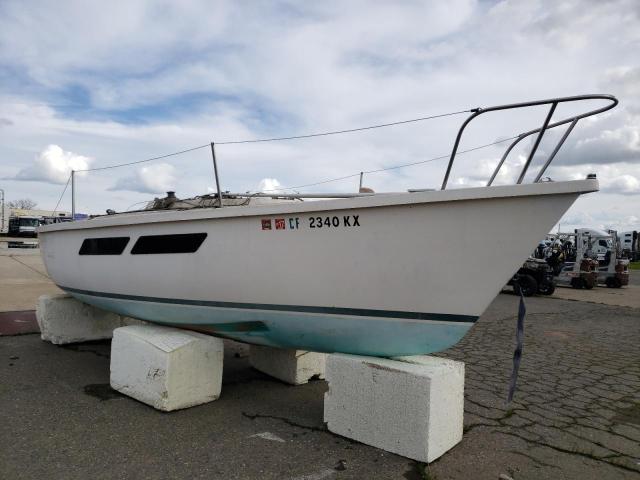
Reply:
x=103 y=246
x=178 y=243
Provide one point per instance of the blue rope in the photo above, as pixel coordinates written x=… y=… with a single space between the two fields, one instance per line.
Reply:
x=517 y=354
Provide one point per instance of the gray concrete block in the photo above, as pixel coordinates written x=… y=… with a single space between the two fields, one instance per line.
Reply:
x=291 y=366
x=411 y=406
x=166 y=368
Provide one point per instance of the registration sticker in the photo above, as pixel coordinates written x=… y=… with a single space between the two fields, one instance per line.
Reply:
x=266 y=224
x=280 y=225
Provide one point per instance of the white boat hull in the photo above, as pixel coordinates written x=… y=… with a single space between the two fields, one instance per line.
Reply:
x=385 y=275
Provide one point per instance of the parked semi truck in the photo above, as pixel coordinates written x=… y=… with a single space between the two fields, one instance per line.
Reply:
x=23 y=226
x=630 y=245
x=595 y=242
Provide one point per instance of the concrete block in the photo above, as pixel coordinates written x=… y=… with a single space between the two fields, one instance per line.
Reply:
x=291 y=366
x=166 y=368
x=63 y=319
x=411 y=406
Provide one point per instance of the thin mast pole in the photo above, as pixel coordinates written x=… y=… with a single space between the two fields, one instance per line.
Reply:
x=2 y=221
x=360 y=186
x=73 y=195
x=215 y=172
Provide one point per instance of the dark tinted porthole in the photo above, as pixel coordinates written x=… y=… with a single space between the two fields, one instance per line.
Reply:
x=178 y=243
x=103 y=246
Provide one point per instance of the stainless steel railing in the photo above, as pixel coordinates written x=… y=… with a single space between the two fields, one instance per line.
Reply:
x=554 y=102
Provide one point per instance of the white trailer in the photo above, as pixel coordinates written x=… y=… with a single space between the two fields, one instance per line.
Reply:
x=596 y=242
x=630 y=244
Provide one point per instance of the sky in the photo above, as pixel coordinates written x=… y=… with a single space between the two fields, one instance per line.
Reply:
x=85 y=85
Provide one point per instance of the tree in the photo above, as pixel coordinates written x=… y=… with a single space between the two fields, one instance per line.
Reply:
x=23 y=203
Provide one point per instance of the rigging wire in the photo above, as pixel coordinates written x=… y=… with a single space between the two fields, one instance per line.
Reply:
x=441 y=157
x=145 y=160
x=62 y=195
x=338 y=132
x=137 y=203
x=296 y=137
x=433 y=159
x=277 y=139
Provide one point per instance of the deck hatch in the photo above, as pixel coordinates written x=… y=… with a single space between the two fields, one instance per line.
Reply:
x=176 y=243
x=103 y=246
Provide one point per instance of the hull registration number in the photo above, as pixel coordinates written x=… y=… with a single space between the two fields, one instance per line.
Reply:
x=296 y=223
x=335 y=221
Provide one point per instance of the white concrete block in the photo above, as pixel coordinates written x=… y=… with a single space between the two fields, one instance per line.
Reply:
x=291 y=366
x=411 y=406
x=166 y=368
x=63 y=319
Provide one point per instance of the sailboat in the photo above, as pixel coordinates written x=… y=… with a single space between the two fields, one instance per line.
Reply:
x=380 y=274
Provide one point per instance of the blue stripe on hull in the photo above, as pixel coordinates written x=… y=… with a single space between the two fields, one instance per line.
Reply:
x=341 y=311
x=320 y=332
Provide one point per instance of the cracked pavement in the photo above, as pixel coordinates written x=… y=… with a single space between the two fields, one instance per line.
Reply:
x=576 y=412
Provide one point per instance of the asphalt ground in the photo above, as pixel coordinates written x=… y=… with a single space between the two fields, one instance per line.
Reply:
x=576 y=413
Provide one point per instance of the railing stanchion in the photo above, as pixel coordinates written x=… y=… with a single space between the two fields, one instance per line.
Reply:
x=73 y=195
x=555 y=151
x=504 y=157
x=215 y=172
x=476 y=112
x=537 y=142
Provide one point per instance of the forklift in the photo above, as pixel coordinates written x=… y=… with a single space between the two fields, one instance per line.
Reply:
x=588 y=257
x=571 y=259
x=613 y=271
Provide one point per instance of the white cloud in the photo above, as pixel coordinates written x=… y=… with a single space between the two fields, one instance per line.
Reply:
x=53 y=165
x=614 y=139
x=270 y=185
x=618 y=178
x=624 y=184
x=480 y=172
x=153 y=179
x=601 y=218
x=579 y=218
x=625 y=80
